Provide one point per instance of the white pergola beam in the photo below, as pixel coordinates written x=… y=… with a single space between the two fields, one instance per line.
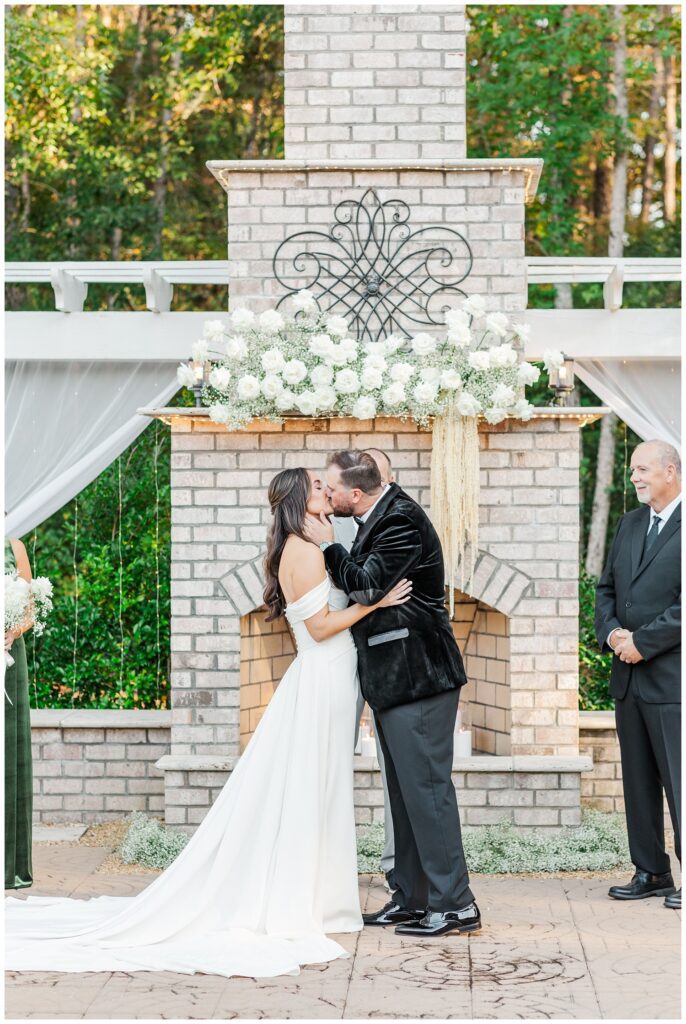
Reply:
x=603 y=334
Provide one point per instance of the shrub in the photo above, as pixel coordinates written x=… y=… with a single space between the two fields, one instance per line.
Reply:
x=150 y=843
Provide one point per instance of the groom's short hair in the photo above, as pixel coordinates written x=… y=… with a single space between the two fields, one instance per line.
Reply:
x=358 y=469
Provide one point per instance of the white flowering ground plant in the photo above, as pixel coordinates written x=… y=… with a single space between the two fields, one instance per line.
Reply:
x=270 y=364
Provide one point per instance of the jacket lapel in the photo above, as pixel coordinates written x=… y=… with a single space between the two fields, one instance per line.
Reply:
x=381 y=507
x=670 y=528
x=638 y=539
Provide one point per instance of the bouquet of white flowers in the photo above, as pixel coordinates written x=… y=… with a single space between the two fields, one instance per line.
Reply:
x=26 y=603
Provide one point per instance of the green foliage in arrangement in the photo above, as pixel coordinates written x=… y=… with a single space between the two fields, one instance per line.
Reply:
x=150 y=843
x=594 y=667
x=599 y=843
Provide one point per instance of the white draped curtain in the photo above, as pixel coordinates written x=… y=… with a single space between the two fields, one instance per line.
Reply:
x=65 y=423
x=645 y=393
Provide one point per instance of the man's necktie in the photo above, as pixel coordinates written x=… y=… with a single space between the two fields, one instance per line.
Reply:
x=652 y=535
x=358 y=520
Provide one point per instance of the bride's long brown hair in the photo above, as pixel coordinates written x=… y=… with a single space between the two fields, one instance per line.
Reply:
x=288 y=494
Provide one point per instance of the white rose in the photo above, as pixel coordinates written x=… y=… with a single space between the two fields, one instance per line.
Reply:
x=402 y=372
x=321 y=375
x=347 y=382
x=220 y=377
x=339 y=355
x=480 y=360
x=219 y=413
x=394 y=394
x=375 y=348
x=523 y=410
x=321 y=346
x=294 y=371
x=248 y=387
x=495 y=415
x=522 y=331
x=430 y=375
x=527 y=373
x=455 y=319
x=306 y=403
x=200 y=350
x=503 y=355
x=271 y=321
x=474 y=306
x=423 y=344
x=503 y=396
x=285 y=400
x=273 y=361
x=375 y=362
x=272 y=385
x=460 y=336
x=371 y=379
x=451 y=380
x=350 y=344
x=185 y=375
x=242 y=319
x=236 y=348
x=393 y=343
x=552 y=359
x=364 y=408
x=304 y=301
x=325 y=397
x=426 y=393
x=497 y=323
x=337 y=326
x=468 y=405
x=213 y=329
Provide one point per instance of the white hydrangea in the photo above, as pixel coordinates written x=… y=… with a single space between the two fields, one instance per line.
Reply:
x=273 y=360
x=468 y=405
x=503 y=355
x=497 y=323
x=306 y=403
x=220 y=377
x=347 y=382
x=552 y=359
x=304 y=301
x=503 y=395
x=200 y=350
x=423 y=345
x=321 y=346
x=460 y=336
x=527 y=373
x=271 y=321
x=523 y=410
x=294 y=371
x=402 y=372
x=474 y=306
x=271 y=385
x=479 y=360
x=394 y=394
x=426 y=392
x=321 y=375
x=236 y=348
x=495 y=415
x=325 y=397
x=248 y=387
x=372 y=379
x=285 y=400
x=337 y=326
x=364 y=408
x=451 y=380
x=219 y=413
x=242 y=319
x=185 y=375
x=213 y=330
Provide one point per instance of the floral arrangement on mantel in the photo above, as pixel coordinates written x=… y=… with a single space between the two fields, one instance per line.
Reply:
x=307 y=363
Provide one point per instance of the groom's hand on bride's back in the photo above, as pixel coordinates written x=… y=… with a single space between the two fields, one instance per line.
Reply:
x=318 y=529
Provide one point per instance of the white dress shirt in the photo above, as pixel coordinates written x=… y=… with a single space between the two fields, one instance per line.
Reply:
x=365 y=516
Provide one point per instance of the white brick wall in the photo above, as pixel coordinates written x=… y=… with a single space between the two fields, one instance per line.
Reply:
x=381 y=81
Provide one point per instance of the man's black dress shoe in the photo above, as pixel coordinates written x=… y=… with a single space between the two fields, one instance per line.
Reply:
x=644 y=884
x=393 y=914
x=439 y=922
x=673 y=901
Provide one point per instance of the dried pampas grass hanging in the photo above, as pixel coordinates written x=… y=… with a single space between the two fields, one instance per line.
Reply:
x=455 y=494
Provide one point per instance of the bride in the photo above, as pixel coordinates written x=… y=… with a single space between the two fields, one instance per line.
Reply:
x=272 y=868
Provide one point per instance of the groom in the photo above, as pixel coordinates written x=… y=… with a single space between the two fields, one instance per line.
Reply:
x=411 y=672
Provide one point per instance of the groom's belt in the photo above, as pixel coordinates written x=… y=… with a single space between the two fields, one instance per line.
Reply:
x=384 y=638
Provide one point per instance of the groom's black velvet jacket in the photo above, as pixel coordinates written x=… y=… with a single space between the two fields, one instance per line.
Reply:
x=407 y=652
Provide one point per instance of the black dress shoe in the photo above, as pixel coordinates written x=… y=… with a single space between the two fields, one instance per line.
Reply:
x=393 y=914
x=673 y=901
x=644 y=884
x=439 y=922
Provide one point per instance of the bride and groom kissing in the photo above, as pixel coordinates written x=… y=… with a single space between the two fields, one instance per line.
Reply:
x=272 y=870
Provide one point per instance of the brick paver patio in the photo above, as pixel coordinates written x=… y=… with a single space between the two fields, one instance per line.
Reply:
x=550 y=948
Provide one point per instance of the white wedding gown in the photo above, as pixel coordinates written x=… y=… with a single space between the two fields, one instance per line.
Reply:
x=271 y=869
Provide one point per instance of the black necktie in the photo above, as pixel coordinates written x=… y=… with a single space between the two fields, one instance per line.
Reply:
x=358 y=520
x=652 y=535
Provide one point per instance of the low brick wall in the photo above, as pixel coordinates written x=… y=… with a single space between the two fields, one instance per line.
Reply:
x=601 y=788
x=92 y=766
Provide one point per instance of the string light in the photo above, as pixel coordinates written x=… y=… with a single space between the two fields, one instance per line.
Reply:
x=76 y=597
x=121 y=590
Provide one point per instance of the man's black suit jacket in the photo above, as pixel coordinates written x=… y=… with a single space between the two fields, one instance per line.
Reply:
x=644 y=596
x=407 y=652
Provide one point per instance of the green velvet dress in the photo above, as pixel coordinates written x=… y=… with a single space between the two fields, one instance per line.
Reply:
x=18 y=766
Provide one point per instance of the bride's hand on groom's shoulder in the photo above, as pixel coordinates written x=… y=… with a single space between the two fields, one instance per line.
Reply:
x=318 y=529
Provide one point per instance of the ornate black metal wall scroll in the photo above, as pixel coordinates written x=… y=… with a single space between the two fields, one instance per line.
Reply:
x=374 y=270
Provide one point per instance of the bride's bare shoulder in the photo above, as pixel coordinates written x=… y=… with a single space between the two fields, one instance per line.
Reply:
x=302 y=567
